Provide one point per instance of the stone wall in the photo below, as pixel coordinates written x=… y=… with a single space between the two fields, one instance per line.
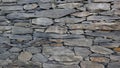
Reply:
x=59 y=33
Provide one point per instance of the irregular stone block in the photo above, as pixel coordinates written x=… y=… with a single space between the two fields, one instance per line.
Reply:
x=103 y=0
x=98 y=6
x=67 y=1
x=30 y=6
x=5 y=28
x=10 y=8
x=42 y=21
x=4 y=40
x=99 y=59
x=45 y=6
x=55 y=13
x=116 y=5
x=114 y=65
x=21 y=30
x=69 y=20
x=81 y=14
x=27 y=1
x=76 y=31
x=8 y=1
x=117 y=12
x=70 y=5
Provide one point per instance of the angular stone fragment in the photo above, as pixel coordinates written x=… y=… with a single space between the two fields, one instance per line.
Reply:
x=78 y=42
x=103 y=0
x=114 y=65
x=99 y=59
x=70 y=5
x=30 y=6
x=42 y=21
x=9 y=1
x=39 y=58
x=20 y=15
x=56 y=29
x=101 y=50
x=98 y=6
x=21 y=30
x=84 y=52
x=25 y=56
x=96 y=26
x=81 y=14
x=69 y=20
x=55 y=13
x=10 y=8
x=88 y=64
x=45 y=65
x=21 y=37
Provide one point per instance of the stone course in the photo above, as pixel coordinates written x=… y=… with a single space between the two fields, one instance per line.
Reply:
x=59 y=33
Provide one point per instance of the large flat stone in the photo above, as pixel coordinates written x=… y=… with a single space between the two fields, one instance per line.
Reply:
x=114 y=65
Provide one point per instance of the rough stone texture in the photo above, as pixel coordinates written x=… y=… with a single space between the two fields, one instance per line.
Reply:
x=59 y=33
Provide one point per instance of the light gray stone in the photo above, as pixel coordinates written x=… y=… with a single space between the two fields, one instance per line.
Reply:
x=10 y=8
x=33 y=49
x=21 y=30
x=4 y=40
x=84 y=52
x=45 y=65
x=98 y=6
x=55 y=13
x=39 y=58
x=9 y=1
x=67 y=1
x=69 y=20
x=15 y=49
x=78 y=42
x=45 y=6
x=89 y=64
x=30 y=6
x=101 y=50
x=114 y=58
x=76 y=31
x=5 y=55
x=103 y=0
x=42 y=21
x=114 y=65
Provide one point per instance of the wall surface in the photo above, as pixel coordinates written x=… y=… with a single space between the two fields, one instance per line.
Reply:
x=59 y=33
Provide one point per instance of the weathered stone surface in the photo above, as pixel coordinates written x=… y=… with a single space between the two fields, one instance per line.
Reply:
x=20 y=15
x=103 y=0
x=114 y=65
x=76 y=31
x=5 y=62
x=98 y=6
x=55 y=13
x=56 y=29
x=99 y=59
x=5 y=28
x=117 y=49
x=15 y=49
x=45 y=65
x=67 y=1
x=81 y=14
x=39 y=58
x=70 y=5
x=5 y=8
x=114 y=58
x=95 y=26
x=23 y=24
x=84 y=52
x=25 y=56
x=88 y=64
x=45 y=6
x=5 y=55
x=30 y=6
x=21 y=37
x=69 y=20
x=78 y=42
x=4 y=40
x=54 y=51
x=9 y=1
x=42 y=21
x=33 y=49
x=101 y=50
x=117 y=12
x=21 y=30
x=27 y=1
x=116 y=5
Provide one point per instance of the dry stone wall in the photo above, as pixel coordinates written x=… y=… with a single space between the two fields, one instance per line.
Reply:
x=59 y=33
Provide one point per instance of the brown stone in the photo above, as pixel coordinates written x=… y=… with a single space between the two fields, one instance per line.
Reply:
x=117 y=49
x=99 y=59
x=96 y=26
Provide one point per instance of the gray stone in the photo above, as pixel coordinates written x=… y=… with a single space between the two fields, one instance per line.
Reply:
x=56 y=29
x=55 y=13
x=30 y=6
x=67 y=1
x=45 y=65
x=114 y=58
x=114 y=65
x=78 y=42
x=84 y=52
x=81 y=14
x=2 y=50
x=5 y=55
x=116 y=5
x=109 y=45
x=98 y=6
x=21 y=37
x=15 y=49
x=39 y=58
x=70 y=5
x=69 y=20
x=101 y=40
x=76 y=31
x=101 y=50
x=89 y=64
x=27 y=1
x=21 y=30
x=9 y=1
x=42 y=21
x=10 y=8
x=4 y=40
x=25 y=56
x=33 y=49
x=20 y=15
x=45 y=6
x=5 y=62
x=103 y=0
x=5 y=28
x=23 y=24
x=57 y=51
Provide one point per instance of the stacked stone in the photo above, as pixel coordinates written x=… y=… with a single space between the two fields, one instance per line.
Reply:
x=59 y=34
